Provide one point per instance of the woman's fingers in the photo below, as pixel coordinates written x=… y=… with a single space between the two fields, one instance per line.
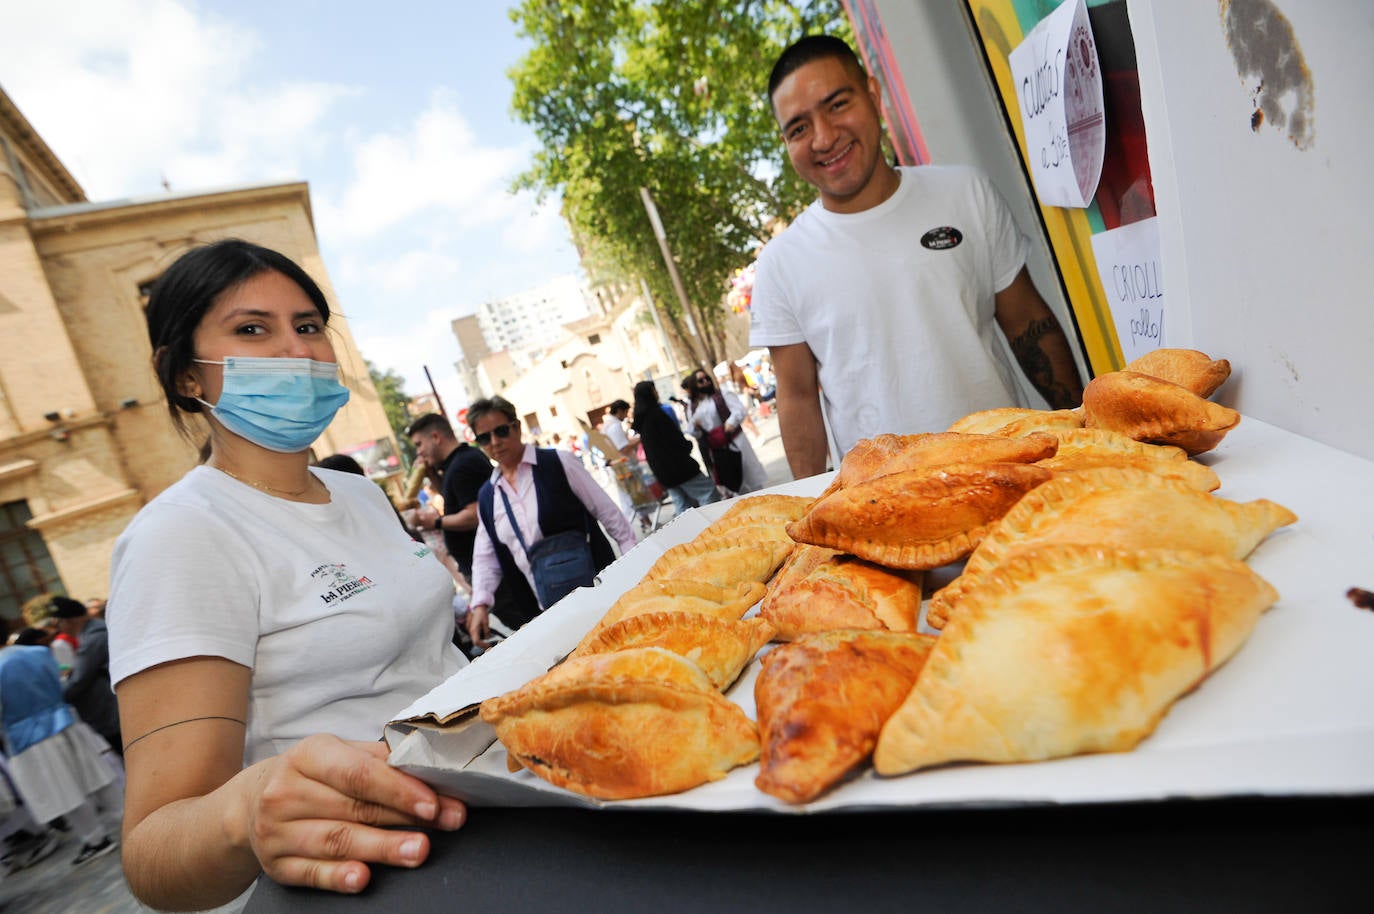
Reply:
x=334 y=855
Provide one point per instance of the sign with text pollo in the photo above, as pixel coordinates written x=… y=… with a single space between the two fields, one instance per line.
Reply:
x=1128 y=263
x=1059 y=89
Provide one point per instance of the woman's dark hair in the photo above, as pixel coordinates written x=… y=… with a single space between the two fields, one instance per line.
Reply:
x=343 y=463
x=183 y=295
x=491 y=405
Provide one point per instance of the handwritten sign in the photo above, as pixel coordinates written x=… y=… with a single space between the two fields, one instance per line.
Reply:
x=1059 y=89
x=1128 y=264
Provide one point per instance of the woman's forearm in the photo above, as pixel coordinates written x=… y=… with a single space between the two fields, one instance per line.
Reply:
x=194 y=853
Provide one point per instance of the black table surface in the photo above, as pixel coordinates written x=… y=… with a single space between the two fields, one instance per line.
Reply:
x=1250 y=855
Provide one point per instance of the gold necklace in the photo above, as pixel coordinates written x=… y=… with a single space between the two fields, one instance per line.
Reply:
x=264 y=487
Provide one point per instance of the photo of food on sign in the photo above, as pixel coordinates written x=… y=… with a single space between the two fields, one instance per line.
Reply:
x=893 y=623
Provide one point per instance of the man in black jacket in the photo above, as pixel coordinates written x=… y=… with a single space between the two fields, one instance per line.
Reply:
x=88 y=687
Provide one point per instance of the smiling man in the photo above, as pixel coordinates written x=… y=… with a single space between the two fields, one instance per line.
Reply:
x=887 y=294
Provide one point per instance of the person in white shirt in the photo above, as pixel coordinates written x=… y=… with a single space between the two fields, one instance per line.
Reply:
x=266 y=617
x=888 y=295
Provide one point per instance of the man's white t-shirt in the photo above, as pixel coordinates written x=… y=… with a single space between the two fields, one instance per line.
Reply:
x=896 y=303
x=614 y=429
x=343 y=619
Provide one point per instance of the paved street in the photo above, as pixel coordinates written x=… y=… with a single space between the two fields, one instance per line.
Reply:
x=54 y=886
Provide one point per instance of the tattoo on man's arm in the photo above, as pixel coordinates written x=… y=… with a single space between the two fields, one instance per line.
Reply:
x=1036 y=364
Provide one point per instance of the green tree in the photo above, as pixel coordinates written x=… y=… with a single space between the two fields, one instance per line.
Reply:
x=670 y=95
x=394 y=399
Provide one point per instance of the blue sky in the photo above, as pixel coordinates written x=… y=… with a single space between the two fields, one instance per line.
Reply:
x=397 y=115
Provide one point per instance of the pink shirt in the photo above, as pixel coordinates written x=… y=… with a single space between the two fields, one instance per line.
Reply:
x=486 y=568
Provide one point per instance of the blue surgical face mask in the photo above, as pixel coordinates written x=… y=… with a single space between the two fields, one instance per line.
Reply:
x=279 y=404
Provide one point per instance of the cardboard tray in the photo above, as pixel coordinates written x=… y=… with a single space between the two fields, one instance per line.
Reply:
x=1291 y=713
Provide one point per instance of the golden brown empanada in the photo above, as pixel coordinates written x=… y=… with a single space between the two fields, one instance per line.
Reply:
x=1067 y=649
x=823 y=699
x=721 y=647
x=1197 y=371
x=1133 y=509
x=820 y=589
x=1095 y=448
x=673 y=595
x=634 y=723
x=1160 y=412
x=884 y=454
x=1012 y=421
x=747 y=554
x=917 y=519
x=752 y=510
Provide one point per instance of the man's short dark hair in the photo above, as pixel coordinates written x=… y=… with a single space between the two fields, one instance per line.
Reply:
x=430 y=422
x=809 y=48
x=618 y=405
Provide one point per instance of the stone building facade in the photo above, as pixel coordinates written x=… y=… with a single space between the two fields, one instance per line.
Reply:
x=85 y=438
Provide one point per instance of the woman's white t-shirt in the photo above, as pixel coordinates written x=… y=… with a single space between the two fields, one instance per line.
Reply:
x=343 y=619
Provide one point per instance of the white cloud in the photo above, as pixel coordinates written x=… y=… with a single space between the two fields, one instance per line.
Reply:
x=129 y=91
x=436 y=167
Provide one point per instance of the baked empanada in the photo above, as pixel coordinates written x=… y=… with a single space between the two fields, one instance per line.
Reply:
x=870 y=458
x=1160 y=412
x=1067 y=649
x=823 y=699
x=1132 y=509
x=820 y=589
x=1197 y=371
x=1095 y=448
x=671 y=595
x=752 y=510
x=917 y=519
x=634 y=723
x=721 y=647
x=1012 y=421
x=725 y=560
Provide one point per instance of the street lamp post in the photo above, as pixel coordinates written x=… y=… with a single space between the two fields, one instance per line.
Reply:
x=672 y=268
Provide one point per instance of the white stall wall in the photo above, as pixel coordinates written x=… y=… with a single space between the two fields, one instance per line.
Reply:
x=1267 y=238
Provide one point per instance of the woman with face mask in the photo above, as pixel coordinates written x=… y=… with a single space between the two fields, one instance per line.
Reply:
x=266 y=617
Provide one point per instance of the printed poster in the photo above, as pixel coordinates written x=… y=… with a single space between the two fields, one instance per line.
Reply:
x=1058 y=83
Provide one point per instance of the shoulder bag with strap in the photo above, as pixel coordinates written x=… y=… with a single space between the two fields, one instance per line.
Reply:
x=560 y=563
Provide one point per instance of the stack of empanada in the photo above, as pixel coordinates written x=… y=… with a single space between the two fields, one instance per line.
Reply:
x=882 y=455
x=917 y=519
x=1095 y=448
x=1134 y=509
x=721 y=647
x=1066 y=649
x=679 y=596
x=632 y=723
x=1149 y=409
x=1013 y=421
x=820 y=589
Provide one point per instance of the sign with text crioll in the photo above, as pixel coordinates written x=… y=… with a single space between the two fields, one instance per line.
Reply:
x=1128 y=263
x=1059 y=89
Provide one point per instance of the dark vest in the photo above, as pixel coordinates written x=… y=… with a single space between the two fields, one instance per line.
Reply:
x=559 y=509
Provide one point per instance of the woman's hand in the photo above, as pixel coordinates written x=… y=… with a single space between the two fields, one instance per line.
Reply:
x=317 y=815
x=479 y=626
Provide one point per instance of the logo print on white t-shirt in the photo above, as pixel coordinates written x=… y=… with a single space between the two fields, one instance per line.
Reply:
x=340 y=583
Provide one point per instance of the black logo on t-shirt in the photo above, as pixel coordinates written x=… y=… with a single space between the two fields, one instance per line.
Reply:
x=942 y=238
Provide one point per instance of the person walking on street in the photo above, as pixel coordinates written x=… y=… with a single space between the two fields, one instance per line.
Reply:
x=53 y=764
x=88 y=685
x=669 y=452
x=718 y=417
